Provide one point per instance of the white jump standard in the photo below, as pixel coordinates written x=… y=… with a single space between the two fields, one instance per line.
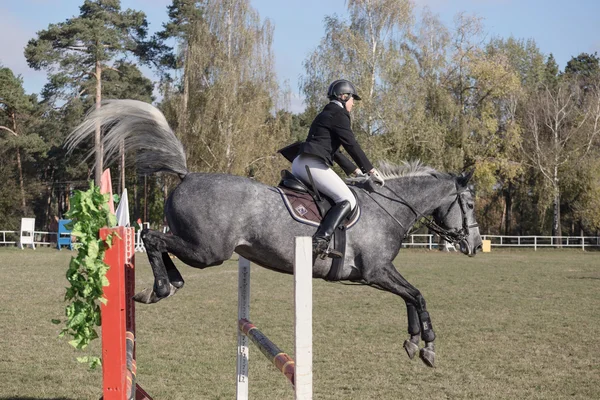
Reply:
x=299 y=372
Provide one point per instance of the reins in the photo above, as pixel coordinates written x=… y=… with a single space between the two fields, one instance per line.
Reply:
x=384 y=209
x=453 y=236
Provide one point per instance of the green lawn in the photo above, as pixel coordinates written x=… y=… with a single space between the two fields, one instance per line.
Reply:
x=510 y=325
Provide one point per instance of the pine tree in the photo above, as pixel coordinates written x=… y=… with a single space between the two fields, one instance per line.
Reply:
x=17 y=111
x=82 y=48
x=551 y=73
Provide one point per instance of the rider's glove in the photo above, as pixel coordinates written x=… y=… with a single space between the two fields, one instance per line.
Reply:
x=376 y=177
x=358 y=173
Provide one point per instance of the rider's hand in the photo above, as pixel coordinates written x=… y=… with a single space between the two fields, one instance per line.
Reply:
x=376 y=177
x=358 y=173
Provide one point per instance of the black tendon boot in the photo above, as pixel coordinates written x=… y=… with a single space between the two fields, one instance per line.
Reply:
x=332 y=220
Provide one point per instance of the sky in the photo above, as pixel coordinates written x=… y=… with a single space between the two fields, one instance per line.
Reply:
x=563 y=28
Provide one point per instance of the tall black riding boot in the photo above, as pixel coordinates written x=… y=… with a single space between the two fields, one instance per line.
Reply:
x=332 y=220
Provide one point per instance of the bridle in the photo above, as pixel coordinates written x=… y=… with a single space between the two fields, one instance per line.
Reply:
x=455 y=235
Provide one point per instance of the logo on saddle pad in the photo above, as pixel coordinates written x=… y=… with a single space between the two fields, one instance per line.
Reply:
x=301 y=210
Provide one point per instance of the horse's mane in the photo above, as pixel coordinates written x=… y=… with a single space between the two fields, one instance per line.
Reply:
x=406 y=169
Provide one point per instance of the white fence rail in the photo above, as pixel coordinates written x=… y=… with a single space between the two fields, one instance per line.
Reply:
x=583 y=242
x=543 y=241
x=11 y=238
x=39 y=238
x=420 y=240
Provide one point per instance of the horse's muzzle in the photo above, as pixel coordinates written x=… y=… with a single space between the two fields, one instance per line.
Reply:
x=466 y=249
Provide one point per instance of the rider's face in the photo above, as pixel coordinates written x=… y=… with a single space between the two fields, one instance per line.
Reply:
x=349 y=104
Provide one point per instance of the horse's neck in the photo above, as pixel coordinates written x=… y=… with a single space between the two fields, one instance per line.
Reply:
x=422 y=193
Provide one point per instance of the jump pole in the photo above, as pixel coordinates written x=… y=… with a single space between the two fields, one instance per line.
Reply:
x=299 y=372
x=118 y=319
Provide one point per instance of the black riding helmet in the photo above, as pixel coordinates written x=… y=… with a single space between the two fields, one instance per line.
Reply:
x=340 y=87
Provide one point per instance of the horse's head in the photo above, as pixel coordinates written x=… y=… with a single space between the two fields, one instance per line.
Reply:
x=457 y=216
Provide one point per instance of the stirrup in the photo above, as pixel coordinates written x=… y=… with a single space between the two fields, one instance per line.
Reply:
x=323 y=249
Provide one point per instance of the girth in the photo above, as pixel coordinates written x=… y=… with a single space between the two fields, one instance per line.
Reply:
x=307 y=207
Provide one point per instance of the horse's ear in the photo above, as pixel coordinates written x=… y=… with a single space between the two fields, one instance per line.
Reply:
x=464 y=178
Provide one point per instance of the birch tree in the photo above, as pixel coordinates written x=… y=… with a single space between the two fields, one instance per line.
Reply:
x=360 y=50
x=562 y=126
x=228 y=92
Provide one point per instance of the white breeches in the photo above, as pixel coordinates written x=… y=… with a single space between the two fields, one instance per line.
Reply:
x=326 y=180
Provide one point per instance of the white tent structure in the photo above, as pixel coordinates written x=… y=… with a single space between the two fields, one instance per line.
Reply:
x=123 y=210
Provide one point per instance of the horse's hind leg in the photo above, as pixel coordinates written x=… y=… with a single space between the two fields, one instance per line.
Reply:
x=172 y=272
x=419 y=321
x=167 y=278
x=156 y=249
x=174 y=282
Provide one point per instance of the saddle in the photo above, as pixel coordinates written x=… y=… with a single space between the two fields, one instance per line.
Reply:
x=308 y=206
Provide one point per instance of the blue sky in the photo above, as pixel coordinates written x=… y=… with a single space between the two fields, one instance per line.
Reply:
x=560 y=27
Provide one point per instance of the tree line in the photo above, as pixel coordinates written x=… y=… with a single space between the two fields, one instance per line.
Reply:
x=445 y=94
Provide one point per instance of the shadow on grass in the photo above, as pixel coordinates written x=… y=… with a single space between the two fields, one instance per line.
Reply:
x=571 y=277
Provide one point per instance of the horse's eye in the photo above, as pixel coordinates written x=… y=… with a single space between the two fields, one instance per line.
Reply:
x=471 y=206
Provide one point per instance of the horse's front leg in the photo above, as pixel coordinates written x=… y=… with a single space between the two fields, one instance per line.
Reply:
x=427 y=353
x=414 y=329
x=419 y=321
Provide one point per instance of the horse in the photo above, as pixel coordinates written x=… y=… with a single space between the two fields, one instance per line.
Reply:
x=213 y=215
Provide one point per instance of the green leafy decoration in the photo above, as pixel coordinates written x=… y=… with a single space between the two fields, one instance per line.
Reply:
x=87 y=271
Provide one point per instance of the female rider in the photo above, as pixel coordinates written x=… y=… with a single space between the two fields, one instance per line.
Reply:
x=330 y=130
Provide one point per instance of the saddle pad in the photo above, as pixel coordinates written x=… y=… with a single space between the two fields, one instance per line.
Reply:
x=303 y=209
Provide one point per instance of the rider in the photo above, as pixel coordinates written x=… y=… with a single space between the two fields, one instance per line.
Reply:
x=330 y=130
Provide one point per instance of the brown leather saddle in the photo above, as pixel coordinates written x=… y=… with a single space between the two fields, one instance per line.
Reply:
x=307 y=206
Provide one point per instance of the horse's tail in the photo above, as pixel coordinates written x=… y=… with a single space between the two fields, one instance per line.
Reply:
x=142 y=128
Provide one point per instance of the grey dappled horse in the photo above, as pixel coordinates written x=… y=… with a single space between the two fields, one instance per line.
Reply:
x=213 y=215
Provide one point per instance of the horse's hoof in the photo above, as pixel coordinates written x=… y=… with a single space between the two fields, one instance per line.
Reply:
x=411 y=349
x=175 y=278
x=428 y=356
x=162 y=288
x=146 y=296
x=178 y=284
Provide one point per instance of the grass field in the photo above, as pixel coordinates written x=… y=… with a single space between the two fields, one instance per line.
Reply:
x=510 y=325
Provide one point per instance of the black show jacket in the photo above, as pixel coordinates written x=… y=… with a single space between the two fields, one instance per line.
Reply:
x=330 y=130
